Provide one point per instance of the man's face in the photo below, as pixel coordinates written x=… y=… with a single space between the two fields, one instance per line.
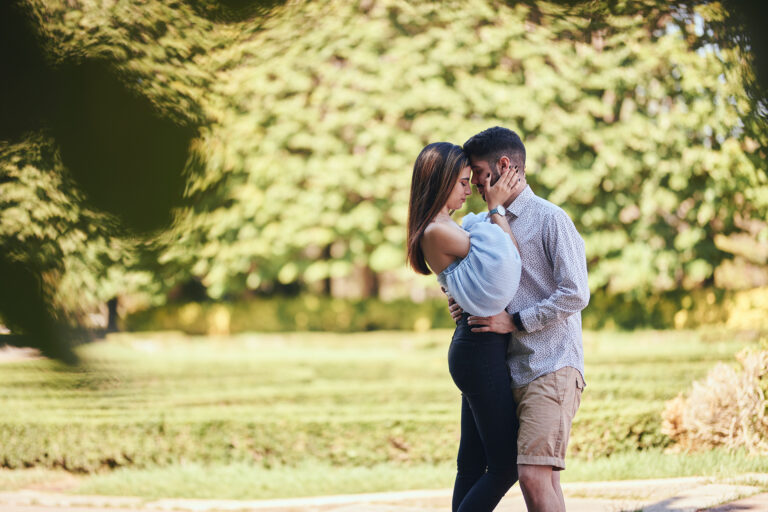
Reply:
x=481 y=170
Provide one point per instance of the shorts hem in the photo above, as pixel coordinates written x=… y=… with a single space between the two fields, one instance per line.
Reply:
x=534 y=460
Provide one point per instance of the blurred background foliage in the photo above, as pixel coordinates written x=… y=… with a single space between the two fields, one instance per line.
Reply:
x=232 y=152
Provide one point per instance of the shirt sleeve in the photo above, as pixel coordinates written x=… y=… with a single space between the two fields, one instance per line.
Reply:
x=565 y=249
x=484 y=282
x=471 y=219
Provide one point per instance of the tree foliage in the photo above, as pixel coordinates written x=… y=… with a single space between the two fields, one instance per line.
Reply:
x=636 y=131
x=307 y=117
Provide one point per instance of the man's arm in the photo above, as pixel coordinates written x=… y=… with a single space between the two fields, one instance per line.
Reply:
x=565 y=248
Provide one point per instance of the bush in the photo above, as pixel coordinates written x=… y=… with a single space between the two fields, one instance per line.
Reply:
x=729 y=408
x=740 y=310
x=302 y=313
x=594 y=436
x=93 y=447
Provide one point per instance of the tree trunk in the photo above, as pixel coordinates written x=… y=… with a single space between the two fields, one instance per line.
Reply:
x=370 y=283
x=112 y=314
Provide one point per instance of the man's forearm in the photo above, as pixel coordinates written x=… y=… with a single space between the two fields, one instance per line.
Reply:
x=556 y=307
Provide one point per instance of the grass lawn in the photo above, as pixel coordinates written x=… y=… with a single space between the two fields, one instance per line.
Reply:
x=257 y=416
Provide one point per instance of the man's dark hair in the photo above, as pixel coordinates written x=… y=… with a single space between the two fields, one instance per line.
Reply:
x=491 y=144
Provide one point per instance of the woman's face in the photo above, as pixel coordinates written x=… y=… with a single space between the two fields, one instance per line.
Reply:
x=461 y=190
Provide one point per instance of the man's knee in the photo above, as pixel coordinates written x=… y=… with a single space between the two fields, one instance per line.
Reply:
x=535 y=479
x=555 y=479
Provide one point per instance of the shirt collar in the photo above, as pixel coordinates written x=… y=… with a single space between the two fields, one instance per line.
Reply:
x=520 y=203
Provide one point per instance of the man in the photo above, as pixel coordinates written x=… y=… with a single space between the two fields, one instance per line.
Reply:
x=545 y=355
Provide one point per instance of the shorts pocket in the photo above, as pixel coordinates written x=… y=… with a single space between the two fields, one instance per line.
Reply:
x=560 y=379
x=578 y=389
x=580 y=384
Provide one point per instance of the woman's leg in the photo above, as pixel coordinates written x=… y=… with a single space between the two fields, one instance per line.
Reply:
x=478 y=366
x=470 y=463
x=496 y=423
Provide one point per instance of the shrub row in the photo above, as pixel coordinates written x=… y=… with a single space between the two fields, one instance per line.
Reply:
x=302 y=313
x=740 y=310
x=95 y=447
x=89 y=448
x=593 y=438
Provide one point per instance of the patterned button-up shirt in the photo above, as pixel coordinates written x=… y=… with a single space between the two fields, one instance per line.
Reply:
x=553 y=290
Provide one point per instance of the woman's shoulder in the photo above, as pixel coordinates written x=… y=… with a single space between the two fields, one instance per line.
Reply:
x=439 y=231
x=443 y=238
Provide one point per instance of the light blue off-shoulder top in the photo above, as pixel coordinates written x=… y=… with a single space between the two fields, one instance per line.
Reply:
x=485 y=280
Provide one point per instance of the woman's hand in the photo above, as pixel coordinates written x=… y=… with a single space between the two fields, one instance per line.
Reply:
x=453 y=307
x=499 y=193
x=502 y=190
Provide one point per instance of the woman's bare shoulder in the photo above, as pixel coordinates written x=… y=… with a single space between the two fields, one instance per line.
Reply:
x=447 y=239
x=441 y=231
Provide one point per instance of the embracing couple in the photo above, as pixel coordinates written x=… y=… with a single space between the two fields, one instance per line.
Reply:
x=516 y=278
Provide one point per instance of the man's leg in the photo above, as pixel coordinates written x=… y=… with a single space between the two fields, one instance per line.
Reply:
x=558 y=489
x=538 y=489
x=545 y=409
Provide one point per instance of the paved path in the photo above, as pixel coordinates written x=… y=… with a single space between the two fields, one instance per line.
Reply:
x=744 y=493
x=757 y=502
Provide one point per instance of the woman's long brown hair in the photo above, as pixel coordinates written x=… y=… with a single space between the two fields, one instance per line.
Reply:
x=435 y=173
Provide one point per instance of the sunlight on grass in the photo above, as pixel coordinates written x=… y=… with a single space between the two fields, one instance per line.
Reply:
x=245 y=481
x=654 y=463
x=299 y=414
x=38 y=478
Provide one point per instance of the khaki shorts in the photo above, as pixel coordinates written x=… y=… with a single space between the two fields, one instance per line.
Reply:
x=545 y=409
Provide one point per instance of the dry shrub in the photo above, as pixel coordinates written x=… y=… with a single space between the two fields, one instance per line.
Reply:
x=728 y=408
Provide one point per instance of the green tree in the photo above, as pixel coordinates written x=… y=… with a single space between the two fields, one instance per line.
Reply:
x=305 y=123
x=633 y=127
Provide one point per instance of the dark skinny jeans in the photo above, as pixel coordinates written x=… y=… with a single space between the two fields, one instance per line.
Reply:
x=487 y=459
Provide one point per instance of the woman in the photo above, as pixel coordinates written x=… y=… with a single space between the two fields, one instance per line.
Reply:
x=479 y=266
